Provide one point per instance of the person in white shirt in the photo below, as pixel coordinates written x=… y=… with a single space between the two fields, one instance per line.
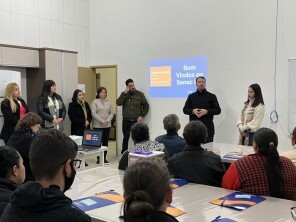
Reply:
x=291 y=154
x=251 y=116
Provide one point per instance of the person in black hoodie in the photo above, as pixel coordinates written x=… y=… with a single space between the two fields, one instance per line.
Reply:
x=194 y=163
x=25 y=131
x=147 y=192
x=12 y=173
x=51 y=157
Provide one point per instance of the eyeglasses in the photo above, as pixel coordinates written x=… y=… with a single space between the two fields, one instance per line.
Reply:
x=293 y=212
x=77 y=163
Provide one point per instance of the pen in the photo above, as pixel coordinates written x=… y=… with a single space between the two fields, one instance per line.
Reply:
x=216 y=219
x=104 y=192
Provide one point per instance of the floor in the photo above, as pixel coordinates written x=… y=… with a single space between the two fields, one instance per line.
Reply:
x=111 y=157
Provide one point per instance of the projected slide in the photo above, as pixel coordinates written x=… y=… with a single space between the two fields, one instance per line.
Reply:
x=175 y=78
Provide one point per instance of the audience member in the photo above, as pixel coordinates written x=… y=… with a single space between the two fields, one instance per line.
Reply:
x=194 y=163
x=172 y=141
x=51 y=157
x=25 y=131
x=147 y=192
x=291 y=154
x=265 y=172
x=12 y=173
x=141 y=138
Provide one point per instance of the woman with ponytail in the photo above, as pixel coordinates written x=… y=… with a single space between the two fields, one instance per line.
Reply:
x=13 y=108
x=147 y=192
x=265 y=172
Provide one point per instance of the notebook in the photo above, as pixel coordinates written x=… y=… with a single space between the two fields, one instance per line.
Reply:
x=91 y=140
x=178 y=182
x=98 y=200
x=238 y=200
x=234 y=155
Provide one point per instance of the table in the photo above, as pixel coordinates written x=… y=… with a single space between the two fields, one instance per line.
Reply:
x=192 y=198
x=83 y=155
x=223 y=148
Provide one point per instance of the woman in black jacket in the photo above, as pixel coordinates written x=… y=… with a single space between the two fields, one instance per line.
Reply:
x=12 y=173
x=25 y=131
x=13 y=107
x=79 y=114
x=51 y=107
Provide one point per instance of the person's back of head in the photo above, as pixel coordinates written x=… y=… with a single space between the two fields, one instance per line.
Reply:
x=147 y=189
x=171 y=123
x=50 y=151
x=28 y=122
x=11 y=165
x=293 y=137
x=195 y=133
x=140 y=132
x=265 y=143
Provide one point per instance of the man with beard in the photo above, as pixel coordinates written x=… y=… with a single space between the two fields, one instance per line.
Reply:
x=134 y=108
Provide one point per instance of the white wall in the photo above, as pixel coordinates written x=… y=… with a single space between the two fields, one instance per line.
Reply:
x=61 y=24
x=237 y=36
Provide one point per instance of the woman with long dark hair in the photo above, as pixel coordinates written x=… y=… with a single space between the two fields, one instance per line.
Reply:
x=147 y=192
x=102 y=113
x=265 y=172
x=12 y=173
x=79 y=113
x=251 y=116
x=13 y=108
x=51 y=107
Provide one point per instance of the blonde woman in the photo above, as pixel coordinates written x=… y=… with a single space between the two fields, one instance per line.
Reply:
x=13 y=108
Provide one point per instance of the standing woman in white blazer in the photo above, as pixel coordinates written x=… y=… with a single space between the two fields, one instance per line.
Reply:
x=251 y=116
x=102 y=113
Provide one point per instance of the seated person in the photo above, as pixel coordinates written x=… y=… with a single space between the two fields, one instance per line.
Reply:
x=141 y=138
x=291 y=154
x=194 y=163
x=147 y=192
x=172 y=141
x=12 y=173
x=265 y=172
x=25 y=131
x=51 y=158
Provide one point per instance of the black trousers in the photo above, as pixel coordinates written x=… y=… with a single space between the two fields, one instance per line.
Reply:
x=126 y=130
x=105 y=137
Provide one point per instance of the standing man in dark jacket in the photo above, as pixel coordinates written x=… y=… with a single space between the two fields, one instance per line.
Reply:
x=134 y=108
x=51 y=158
x=203 y=105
